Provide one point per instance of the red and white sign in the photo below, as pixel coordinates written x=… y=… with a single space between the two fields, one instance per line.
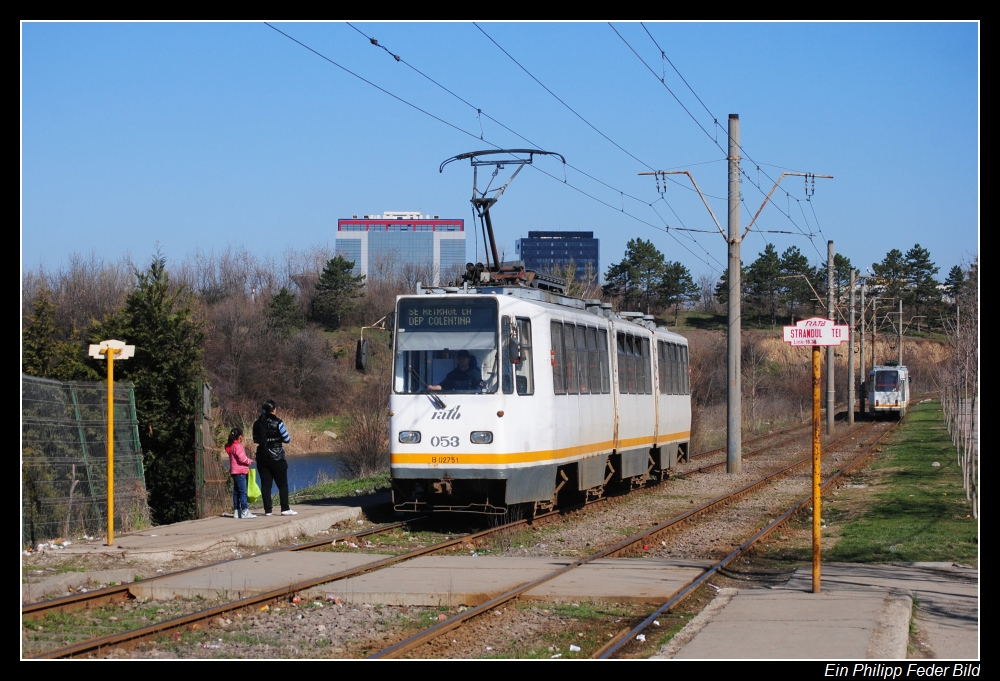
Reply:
x=816 y=331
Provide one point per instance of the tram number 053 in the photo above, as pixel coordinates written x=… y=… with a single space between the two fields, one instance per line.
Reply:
x=452 y=441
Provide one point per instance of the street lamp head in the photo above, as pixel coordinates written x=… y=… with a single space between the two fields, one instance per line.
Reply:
x=117 y=348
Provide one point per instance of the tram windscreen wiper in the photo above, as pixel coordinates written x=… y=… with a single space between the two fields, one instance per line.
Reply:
x=438 y=402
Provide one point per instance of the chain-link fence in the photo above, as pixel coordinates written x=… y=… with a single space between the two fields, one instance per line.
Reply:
x=64 y=461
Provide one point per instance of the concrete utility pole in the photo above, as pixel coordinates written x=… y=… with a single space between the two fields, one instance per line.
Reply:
x=861 y=350
x=874 y=329
x=850 y=356
x=734 y=419
x=900 y=332
x=830 y=409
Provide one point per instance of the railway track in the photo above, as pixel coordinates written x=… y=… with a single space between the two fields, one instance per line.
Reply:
x=193 y=620
x=617 y=645
x=114 y=594
x=632 y=545
x=120 y=593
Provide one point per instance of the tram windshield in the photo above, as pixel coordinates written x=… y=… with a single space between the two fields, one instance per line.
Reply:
x=446 y=346
x=886 y=381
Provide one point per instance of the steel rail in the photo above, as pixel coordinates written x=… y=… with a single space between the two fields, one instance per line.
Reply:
x=861 y=430
x=608 y=651
x=758 y=439
x=112 y=640
x=120 y=593
x=444 y=627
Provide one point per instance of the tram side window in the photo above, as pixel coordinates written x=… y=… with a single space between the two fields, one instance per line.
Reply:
x=673 y=372
x=647 y=368
x=582 y=359
x=622 y=366
x=675 y=369
x=660 y=365
x=558 y=359
x=602 y=351
x=593 y=362
x=635 y=361
x=524 y=375
x=685 y=371
x=636 y=349
x=507 y=368
x=635 y=368
x=572 y=382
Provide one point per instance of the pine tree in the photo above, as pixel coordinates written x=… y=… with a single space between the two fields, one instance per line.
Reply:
x=157 y=319
x=677 y=287
x=955 y=283
x=284 y=314
x=763 y=283
x=922 y=289
x=637 y=277
x=38 y=336
x=841 y=276
x=891 y=274
x=44 y=353
x=722 y=287
x=796 y=294
x=336 y=292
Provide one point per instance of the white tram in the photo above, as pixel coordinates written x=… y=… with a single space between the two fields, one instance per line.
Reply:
x=888 y=390
x=572 y=398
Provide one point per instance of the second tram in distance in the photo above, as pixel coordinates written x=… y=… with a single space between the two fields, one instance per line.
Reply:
x=888 y=390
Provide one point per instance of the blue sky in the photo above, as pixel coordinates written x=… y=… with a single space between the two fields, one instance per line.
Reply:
x=201 y=136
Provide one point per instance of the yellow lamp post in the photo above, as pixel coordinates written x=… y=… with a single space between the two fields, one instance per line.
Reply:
x=111 y=349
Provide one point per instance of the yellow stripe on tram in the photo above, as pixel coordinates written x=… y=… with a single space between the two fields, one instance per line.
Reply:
x=492 y=459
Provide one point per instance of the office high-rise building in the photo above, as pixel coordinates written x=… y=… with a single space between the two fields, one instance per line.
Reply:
x=429 y=247
x=547 y=251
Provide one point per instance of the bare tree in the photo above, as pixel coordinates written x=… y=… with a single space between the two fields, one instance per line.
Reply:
x=961 y=397
x=706 y=293
x=755 y=366
x=366 y=442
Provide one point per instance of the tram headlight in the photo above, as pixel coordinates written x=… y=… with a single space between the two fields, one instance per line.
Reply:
x=481 y=437
x=409 y=437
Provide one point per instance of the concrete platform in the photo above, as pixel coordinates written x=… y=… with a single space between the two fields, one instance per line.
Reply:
x=466 y=580
x=863 y=612
x=250 y=576
x=36 y=587
x=430 y=580
x=165 y=543
x=947 y=597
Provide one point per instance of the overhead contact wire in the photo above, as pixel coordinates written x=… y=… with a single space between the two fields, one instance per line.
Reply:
x=480 y=112
x=715 y=121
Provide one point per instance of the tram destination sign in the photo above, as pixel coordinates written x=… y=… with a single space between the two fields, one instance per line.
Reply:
x=816 y=331
x=457 y=314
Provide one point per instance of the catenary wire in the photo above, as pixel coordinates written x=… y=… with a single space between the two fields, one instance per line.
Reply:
x=715 y=121
x=667 y=229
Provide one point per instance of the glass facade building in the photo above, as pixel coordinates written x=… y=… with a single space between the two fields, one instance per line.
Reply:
x=425 y=248
x=546 y=251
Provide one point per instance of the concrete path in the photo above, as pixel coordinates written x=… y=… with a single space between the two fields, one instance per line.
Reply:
x=250 y=576
x=466 y=580
x=863 y=612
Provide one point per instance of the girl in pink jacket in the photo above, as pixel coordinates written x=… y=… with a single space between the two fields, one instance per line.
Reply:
x=239 y=467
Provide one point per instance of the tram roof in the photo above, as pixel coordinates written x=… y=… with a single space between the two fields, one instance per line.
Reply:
x=592 y=306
